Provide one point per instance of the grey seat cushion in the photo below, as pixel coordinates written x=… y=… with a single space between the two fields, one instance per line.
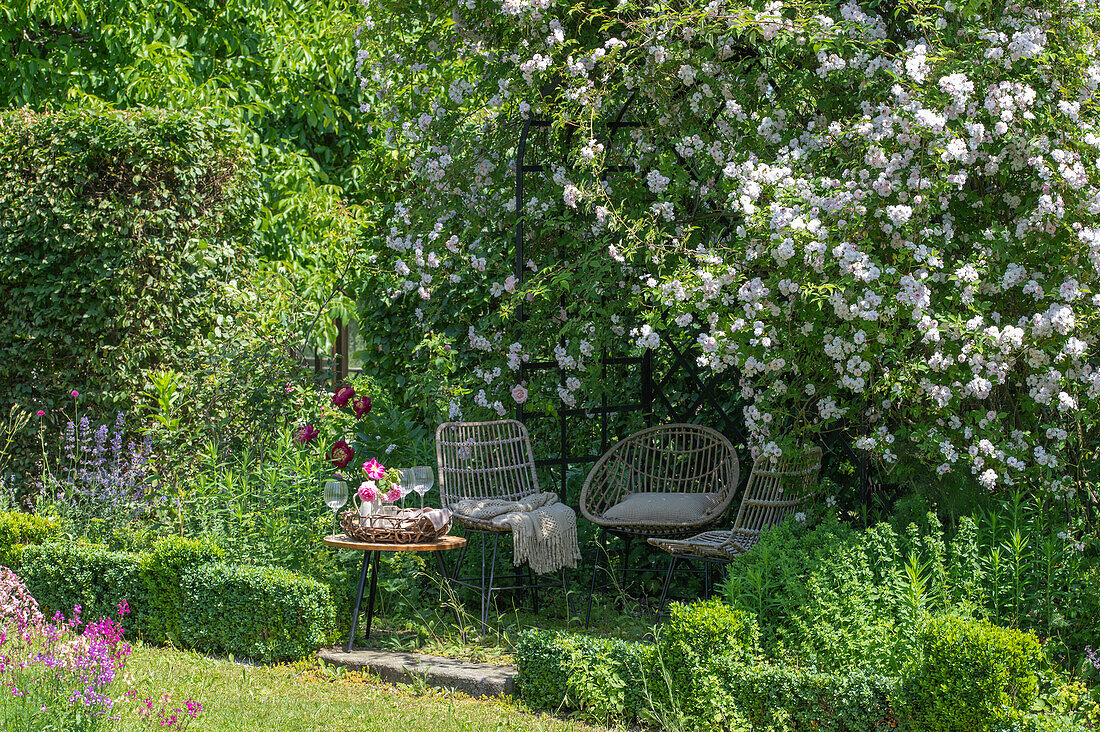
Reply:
x=662 y=508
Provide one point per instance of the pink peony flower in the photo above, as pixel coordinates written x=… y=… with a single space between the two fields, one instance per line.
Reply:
x=368 y=491
x=375 y=470
x=41 y=413
x=361 y=405
x=393 y=494
x=341 y=454
x=306 y=433
x=74 y=393
x=342 y=396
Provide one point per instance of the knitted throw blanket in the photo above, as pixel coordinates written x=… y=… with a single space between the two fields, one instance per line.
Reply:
x=544 y=531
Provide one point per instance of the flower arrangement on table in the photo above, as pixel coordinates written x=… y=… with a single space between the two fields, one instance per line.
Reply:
x=379 y=487
x=338 y=435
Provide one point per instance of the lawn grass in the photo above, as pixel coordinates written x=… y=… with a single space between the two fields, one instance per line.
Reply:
x=310 y=697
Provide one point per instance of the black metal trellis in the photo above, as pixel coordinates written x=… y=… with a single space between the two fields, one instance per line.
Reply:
x=660 y=382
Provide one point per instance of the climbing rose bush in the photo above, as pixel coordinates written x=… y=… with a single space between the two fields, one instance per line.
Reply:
x=883 y=223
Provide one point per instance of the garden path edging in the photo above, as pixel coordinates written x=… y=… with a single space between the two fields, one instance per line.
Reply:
x=475 y=679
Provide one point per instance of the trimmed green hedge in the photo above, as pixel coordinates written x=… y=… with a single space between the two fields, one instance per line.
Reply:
x=177 y=594
x=969 y=675
x=605 y=678
x=63 y=575
x=764 y=695
x=162 y=573
x=18 y=529
x=264 y=613
x=705 y=673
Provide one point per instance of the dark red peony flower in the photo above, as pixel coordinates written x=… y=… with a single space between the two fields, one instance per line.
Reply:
x=343 y=395
x=341 y=454
x=361 y=405
x=306 y=433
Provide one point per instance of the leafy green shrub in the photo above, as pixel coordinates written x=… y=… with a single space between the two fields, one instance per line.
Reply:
x=969 y=676
x=604 y=678
x=63 y=574
x=837 y=596
x=121 y=231
x=786 y=698
x=691 y=639
x=264 y=613
x=18 y=529
x=162 y=571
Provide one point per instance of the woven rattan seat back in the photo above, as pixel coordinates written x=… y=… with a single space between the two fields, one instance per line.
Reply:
x=673 y=459
x=776 y=488
x=484 y=460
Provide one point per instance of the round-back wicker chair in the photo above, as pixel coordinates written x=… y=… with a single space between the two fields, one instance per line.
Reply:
x=666 y=481
x=662 y=481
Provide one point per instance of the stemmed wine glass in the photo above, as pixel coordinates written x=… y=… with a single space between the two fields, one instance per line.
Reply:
x=421 y=479
x=336 y=496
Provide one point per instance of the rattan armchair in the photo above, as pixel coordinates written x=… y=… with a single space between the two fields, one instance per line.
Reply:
x=666 y=481
x=487 y=461
x=777 y=487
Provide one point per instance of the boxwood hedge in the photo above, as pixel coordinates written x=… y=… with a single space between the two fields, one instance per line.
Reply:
x=264 y=613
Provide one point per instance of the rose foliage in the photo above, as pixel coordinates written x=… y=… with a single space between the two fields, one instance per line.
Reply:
x=883 y=217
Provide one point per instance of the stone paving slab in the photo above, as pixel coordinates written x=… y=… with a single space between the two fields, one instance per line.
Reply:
x=475 y=679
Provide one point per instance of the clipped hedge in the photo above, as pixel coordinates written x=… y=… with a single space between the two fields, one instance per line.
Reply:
x=264 y=613
x=605 y=678
x=969 y=675
x=693 y=637
x=162 y=574
x=64 y=574
x=177 y=594
x=17 y=530
x=766 y=695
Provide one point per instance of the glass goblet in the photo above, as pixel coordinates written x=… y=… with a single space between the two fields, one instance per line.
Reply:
x=423 y=477
x=336 y=496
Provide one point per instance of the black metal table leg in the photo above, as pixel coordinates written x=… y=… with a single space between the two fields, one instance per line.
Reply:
x=358 y=602
x=373 y=590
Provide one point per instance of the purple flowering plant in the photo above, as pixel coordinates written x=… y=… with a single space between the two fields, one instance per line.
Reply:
x=65 y=674
x=96 y=478
x=59 y=673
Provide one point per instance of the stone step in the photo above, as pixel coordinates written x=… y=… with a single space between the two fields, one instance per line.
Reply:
x=398 y=667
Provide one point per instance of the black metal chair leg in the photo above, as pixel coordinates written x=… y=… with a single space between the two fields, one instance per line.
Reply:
x=568 y=594
x=533 y=579
x=595 y=569
x=673 y=561
x=488 y=595
x=706 y=580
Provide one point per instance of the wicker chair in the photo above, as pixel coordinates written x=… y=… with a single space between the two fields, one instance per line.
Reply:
x=666 y=481
x=776 y=489
x=480 y=461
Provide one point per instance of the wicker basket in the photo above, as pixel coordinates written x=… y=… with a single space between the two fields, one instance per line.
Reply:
x=407 y=526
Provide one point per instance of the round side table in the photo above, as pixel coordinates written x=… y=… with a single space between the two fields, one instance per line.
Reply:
x=371 y=552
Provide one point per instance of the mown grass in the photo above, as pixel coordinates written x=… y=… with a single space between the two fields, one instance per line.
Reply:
x=310 y=697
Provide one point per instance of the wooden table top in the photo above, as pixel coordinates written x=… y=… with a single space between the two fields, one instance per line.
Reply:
x=442 y=544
